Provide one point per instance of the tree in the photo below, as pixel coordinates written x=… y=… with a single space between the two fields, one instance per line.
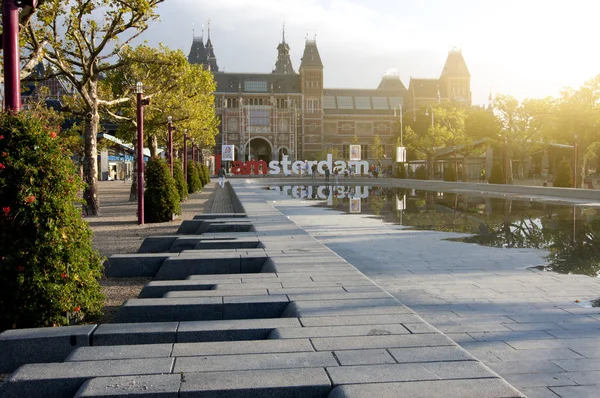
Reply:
x=176 y=88
x=84 y=39
x=377 y=150
x=452 y=128
x=425 y=144
x=564 y=175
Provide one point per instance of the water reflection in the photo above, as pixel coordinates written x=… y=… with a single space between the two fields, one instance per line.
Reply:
x=571 y=234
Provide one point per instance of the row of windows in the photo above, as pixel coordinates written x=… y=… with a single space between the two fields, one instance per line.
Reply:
x=349 y=102
x=282 y=103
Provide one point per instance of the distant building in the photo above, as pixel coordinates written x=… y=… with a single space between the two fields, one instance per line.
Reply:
x=267 y=115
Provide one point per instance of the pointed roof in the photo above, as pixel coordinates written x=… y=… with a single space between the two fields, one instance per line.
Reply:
x=391 y=82
x=311 y=57
x=284 y=62
x=210 y=54
x=424 y=88
x=198 y=52
x=455 y=64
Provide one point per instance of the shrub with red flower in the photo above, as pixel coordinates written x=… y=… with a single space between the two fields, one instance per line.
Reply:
x=53 y=135
x=6 y=210
x=30 y=199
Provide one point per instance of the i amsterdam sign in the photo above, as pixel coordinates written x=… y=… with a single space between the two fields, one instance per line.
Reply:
x=288 y=167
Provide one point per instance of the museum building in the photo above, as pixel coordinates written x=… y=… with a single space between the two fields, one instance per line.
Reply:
x=284 y=112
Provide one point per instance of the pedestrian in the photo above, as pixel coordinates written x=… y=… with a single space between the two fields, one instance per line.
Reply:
x=222 y=176
x=336 y=173
x=314 y=171
x=482 y=175
x=304 y=168
x=327 y=172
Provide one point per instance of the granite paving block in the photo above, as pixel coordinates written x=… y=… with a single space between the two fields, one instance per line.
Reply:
x=576 y=391
x=430 y=354
x=267 y=284
x=379 y=373
x=343 y=307
x=58 y=380
x=363 y=357
x=152 y=386
x=39 y=345
x=241 y=347
x=170 y=310
x=511 y=336
x=309 y=291
x=420 y=327
x=135 y=333
x=540 y=379
x=157 y=244
x=515 y=367
x=537 y=392
x=330 y=331
x=134 y=265
x=102 y=353
x=578 y=365
x=360 y=282
x=337 y=296
x=212 y=216
x=584 y=378
x=291 y=383
x=537 y=355
x=459 y=370
x=241 y=243
x=478 y=388
x=231 y=330
x=392 y=341
x=342 y=320
x=254 y=361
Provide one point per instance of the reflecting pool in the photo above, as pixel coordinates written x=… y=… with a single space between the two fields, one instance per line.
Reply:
x=571 y=234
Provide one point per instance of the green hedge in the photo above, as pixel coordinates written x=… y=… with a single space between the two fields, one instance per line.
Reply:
x=182 y=188
x=421 y=173
x=564 y=175
x=48 y=269
x=497 y=174
x=161 y=200
x=449 y=173
x=193 y=179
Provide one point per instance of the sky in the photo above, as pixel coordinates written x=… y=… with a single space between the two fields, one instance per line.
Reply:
x=523 y=48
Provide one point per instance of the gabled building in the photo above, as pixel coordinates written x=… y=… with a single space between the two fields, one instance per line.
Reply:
x=268 y=115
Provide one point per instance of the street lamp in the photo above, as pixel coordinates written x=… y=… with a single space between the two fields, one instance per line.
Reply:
x=170 y=143
x=400 y=115
x=193 y=152
x=139 y=91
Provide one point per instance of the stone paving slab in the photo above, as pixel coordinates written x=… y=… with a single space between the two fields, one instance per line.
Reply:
x=120 y=352
x=292 y=383
x=228 y=330
x=135 y=333
x=378 y=341
x=155 y=386
x=254 y=362
x=481 y=388
x=241 y=347
x=331 y=331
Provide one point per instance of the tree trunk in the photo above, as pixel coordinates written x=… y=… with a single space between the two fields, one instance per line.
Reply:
x=153 y=147
x=90 y=165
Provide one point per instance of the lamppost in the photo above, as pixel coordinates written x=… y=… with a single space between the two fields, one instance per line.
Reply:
x=575 y=163
x=185 y=156
x=193 y=152
x=400 y=115
x=170 y=142
x=139 y=90
x=505 y=161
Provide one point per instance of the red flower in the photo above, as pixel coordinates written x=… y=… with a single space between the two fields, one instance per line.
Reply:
x=6 y=210
x=2 y=166
x=1 y=137
x=53 y=135
x=77 y=309
x=20 y=268
x=4 y=154
x=64 y=276
x=30 y=199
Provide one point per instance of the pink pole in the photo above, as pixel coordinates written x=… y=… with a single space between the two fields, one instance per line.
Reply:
x=12 y=70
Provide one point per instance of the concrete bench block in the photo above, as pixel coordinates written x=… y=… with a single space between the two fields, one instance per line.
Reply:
x=217 y=293
x=157 y=289
x=254 y=307
x=132 y=265
x=337 y=290
x=338 y=296
x=242 y=243
x=241 y=347
x=211 y=216
x=41 y=345
x=332 y=331
x=157 y=244
x=379 y=373
x=478 y=388
x=169 y=310
x=391 y=341
x=59 y=380
x=155 y=386
x=364 y=282
x=430 y=354
x=175 y=268
x=364 y=357
x=135 y=333
x=255 y=362
x=231 y=330
x=292 y=383
x=104 y=353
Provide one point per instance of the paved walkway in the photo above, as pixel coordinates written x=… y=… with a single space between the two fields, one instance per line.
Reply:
x=523 y=324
